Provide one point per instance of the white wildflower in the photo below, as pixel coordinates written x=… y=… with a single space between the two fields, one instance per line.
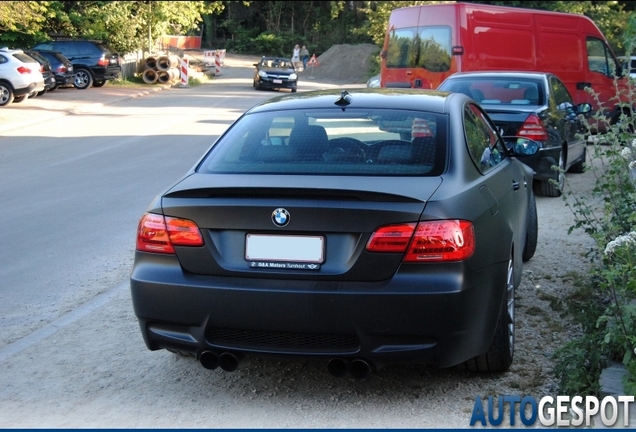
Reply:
x=623 y=240
x=632 y=165
x=626 y=153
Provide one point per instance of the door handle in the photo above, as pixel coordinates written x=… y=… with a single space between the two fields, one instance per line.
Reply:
x=515 y=185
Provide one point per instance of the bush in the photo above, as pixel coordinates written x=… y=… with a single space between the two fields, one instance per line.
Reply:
x=608 y=215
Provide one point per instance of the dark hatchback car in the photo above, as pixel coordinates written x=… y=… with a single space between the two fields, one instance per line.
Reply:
x=61 y=66
x=45 y=69
x=94 y=62
x=535 y=105
x=365 y=228
x=275 y=73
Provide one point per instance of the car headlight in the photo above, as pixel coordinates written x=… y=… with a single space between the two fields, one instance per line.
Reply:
x=262 y=74
x=293 y=77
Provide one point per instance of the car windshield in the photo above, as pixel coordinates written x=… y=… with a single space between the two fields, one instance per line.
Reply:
x=498 y=90
x=276 y=63
x=332 y=142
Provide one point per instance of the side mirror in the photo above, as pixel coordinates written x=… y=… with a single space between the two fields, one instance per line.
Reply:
x=383 y=54
x=520 y=146
x=584 y=108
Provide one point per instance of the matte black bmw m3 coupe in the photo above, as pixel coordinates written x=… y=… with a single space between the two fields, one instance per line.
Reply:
x=365 y=227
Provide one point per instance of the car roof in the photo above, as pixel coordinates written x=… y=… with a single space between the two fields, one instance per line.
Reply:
x=398 y=99
x=503 y=74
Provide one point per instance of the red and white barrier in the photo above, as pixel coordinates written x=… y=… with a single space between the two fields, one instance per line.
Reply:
x=208 y=57
x=184 y=71
x=217 y=65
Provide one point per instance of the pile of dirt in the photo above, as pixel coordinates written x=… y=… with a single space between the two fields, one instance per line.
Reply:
x=344 y=63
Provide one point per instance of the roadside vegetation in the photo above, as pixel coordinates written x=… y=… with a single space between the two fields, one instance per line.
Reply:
x=605 y=306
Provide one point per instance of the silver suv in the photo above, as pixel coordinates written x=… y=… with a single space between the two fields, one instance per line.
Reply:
x=20 y=76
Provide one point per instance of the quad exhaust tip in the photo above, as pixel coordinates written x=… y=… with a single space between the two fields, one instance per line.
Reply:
x=358 y=369
x=212 y=360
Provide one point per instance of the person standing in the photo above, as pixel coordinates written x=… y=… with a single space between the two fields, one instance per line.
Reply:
x=296 y=56
x=304 y=55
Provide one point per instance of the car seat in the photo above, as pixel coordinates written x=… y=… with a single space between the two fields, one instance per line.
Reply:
x=532 y=94
x=309 y=142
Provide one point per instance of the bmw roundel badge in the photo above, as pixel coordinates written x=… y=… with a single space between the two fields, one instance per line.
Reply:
x=280 y=217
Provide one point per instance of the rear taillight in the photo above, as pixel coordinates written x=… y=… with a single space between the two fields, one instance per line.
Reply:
x=61 y=69
x=24 y=70
x=392 y=238
x=159 y=234
x=431 y=241
x=103 y=61
x=533 y=128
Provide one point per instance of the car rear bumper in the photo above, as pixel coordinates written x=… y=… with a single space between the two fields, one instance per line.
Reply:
x=109 y=73
x=398 y=321
x=39 y=86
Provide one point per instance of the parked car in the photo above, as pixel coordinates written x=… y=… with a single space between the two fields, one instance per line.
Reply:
x=535 y=105
x=62 y=68
x=275 y=73
x=45 y=68
x=318 y=226
x=374 y=81
x=94 y=62
x=629 y=66
x=19 y=76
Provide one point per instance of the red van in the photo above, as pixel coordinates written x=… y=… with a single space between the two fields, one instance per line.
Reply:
x=425 y=44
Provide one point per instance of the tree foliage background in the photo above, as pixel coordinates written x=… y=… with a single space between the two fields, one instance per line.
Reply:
x=251 y=27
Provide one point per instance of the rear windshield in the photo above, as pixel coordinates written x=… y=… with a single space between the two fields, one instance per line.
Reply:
x=332 y=141
x=498 y=90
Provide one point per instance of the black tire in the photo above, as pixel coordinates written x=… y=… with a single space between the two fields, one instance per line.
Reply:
x=42 y=93
x=532 y=230
x=55 y=87
x=83 y=79
x=548 y=188
x=579 y=167
x=6 y=94
x=499 y=356
x=293 y=90
x=20 y=99
x=100 y=83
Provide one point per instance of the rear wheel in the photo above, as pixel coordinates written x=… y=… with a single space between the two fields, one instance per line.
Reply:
x=498 y=358
x=548 y=187
x=532 y=230
x=20 y=99
x=83 y=79
x=579 y=167
x=6 y=94
x=100 y=83
x=42 y=93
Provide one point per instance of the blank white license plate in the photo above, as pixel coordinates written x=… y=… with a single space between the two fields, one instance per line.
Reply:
x=278 y=81
x=307 y=249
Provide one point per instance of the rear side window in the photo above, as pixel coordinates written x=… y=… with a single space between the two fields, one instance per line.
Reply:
x=483 y=144
x=330 y=142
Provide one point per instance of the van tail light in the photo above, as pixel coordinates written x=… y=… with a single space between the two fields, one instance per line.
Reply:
x=103 y=61
x=430 y=241
x=24 y=70
x=533 y=128
x=158 y=234
x=61 y=69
